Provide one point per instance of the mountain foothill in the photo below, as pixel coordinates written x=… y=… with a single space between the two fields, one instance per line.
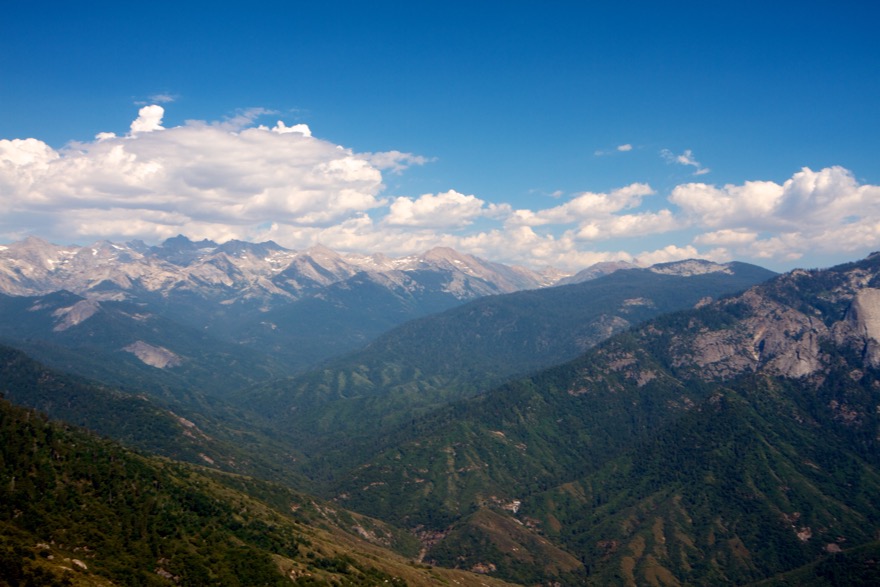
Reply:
x=197 y=413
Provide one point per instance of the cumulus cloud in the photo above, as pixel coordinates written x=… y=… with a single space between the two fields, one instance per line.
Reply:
x=446 y=210
x=712 y=206
x=807 y=201
x=628 y=225
x=195 y=175
x=149 y=119
x=585 y=208
x=283 y=129
x=727 y=237
x=236 y=179
x=825 y=210
x=625 y=148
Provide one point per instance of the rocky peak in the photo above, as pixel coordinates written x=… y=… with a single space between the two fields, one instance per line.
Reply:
x=183 y=243
x=784 y=327
x=322 y=254
x=239 y=248
x=597 y=270
x=444 y=254
x=180 y=250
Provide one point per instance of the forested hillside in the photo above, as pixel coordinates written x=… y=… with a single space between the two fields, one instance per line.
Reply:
x=80 y=510
x=465 y=351
x=727 y=444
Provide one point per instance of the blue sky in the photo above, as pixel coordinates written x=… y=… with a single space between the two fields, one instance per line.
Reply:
x=552 y=133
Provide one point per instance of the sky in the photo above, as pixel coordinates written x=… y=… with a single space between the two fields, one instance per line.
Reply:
x=535 y=133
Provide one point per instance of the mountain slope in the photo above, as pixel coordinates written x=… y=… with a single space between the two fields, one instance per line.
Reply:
x=82 y=511
x=725 y=444
x=197 y=306
x=130 y=344
x=462 y=351
x=234 y=443
x=741 y=488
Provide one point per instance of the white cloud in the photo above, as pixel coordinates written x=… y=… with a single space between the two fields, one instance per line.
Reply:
x=446 y=210
x=149 y=119
x=823 y=211
x=727 y=237
x=302 y=129
x=628 y=225
x=586 y=207
x=234 y=179
x=730 y=205
x=26 y=153
x=162 y=98
x=206 y=174
x=626 y=147
x=395 y=161
x=809 y=200
x=686 y=158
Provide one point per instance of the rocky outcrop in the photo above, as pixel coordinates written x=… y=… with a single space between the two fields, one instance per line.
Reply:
x=691 y=267
x=783 y=327
x=860 y=330
x=75 y=314
x=154 y=356
x=774 y=338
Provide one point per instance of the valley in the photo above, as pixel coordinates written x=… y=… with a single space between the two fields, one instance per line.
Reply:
x=434 y=419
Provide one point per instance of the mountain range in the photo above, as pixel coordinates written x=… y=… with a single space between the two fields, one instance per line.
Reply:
x=473 y=347
x=201 y=302
x=690 y=423
x=726 y=443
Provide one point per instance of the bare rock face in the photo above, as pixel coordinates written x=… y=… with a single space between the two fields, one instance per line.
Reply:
x=773 y=338
x=691 y=267
x=784 y=326
x=861 y=327
x=75 y=314
x=154 y=356
x=235 y=270
x=865 y=311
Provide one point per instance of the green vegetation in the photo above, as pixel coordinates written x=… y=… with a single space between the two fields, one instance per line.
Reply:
x=635 y=463
x=145 y=423
x=81 y=510
x=856 y=566
x=463 y=352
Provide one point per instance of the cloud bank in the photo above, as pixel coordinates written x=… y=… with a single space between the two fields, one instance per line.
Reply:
x=235 y=179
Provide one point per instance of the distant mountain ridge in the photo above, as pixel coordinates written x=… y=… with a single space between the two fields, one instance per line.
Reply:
x=473 y=347
x=234 y=271
x=173 y=305
x=724 y=444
